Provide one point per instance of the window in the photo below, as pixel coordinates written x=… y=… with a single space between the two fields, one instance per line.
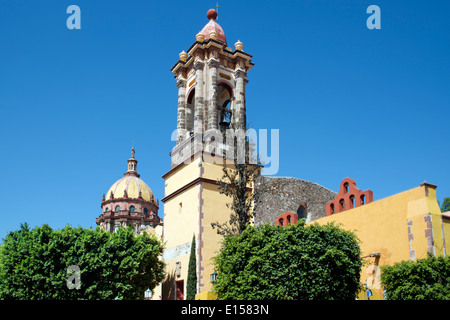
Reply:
x=117 y=209
x=342 y=204
x=301 y=211
x=132 y=209
x=363 y=199
x=346 y=187
x=352 y=201
x=190 y=111
x=332 y=208
x=145 y=211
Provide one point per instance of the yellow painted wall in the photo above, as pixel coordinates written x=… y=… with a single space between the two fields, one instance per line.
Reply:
x=382 y=226
x=179 y=228
x=207 y=295
x=214 y=210
x=181 y=225
x=202 y=204
x=181 y=222
x=181 y=176
x=437 y=221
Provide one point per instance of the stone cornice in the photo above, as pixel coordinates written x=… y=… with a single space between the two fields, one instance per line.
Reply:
x=224 y=50
x=123 y=199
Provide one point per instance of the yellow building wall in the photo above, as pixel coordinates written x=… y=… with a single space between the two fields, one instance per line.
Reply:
x=207 y=295
x=180 y=225
x=194 y=187
x=396 y=228
x=182 y=175
x=181 y=217
x=214 y=210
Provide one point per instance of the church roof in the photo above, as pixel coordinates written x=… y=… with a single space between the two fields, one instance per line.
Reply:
x=130 y=186
x=134 y=188
x=213 y=26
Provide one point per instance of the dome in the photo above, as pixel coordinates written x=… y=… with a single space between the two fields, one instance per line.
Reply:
x=213 y=26
x=130 y=187
x=129 y=202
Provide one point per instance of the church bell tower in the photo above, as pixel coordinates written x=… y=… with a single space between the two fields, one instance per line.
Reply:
x=211 y=79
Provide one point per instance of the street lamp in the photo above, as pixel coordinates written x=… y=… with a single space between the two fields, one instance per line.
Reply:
x=148 y=294
x=213 y=276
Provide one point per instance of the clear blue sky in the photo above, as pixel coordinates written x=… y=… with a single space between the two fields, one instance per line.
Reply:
x=373 y=105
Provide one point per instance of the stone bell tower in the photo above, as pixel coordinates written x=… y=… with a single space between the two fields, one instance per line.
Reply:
x=211 y=79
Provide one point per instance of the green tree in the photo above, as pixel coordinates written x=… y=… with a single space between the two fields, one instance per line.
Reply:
x=445 y=206
x=423 y=279
x=239 y=175
x=34 y=263
x=296 y=262
x=191 y=286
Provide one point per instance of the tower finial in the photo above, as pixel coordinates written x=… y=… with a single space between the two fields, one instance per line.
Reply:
x=211 y=14
x=217 y=9
x=132 y=152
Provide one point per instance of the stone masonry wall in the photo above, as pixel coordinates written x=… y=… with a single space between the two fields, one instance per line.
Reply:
x=277 y=195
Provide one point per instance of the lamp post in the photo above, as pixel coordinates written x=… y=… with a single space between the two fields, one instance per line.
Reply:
x=148 y=294
x=213 y=276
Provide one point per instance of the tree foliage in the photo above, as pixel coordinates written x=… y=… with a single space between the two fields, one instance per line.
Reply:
x=445 y=206
x=33 y=263
x=191 y=286
x=295 y=262
x=423 y=279
x=236 y=183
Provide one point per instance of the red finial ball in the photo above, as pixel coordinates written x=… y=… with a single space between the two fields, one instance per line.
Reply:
x=211 y=14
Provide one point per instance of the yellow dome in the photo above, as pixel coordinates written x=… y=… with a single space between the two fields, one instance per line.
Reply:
x=134 y=187
x=130 y=186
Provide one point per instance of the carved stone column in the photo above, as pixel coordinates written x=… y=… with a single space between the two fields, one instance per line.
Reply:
x=199 y=97
x=181 y=116
x=240 y=116
x=212 y=95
